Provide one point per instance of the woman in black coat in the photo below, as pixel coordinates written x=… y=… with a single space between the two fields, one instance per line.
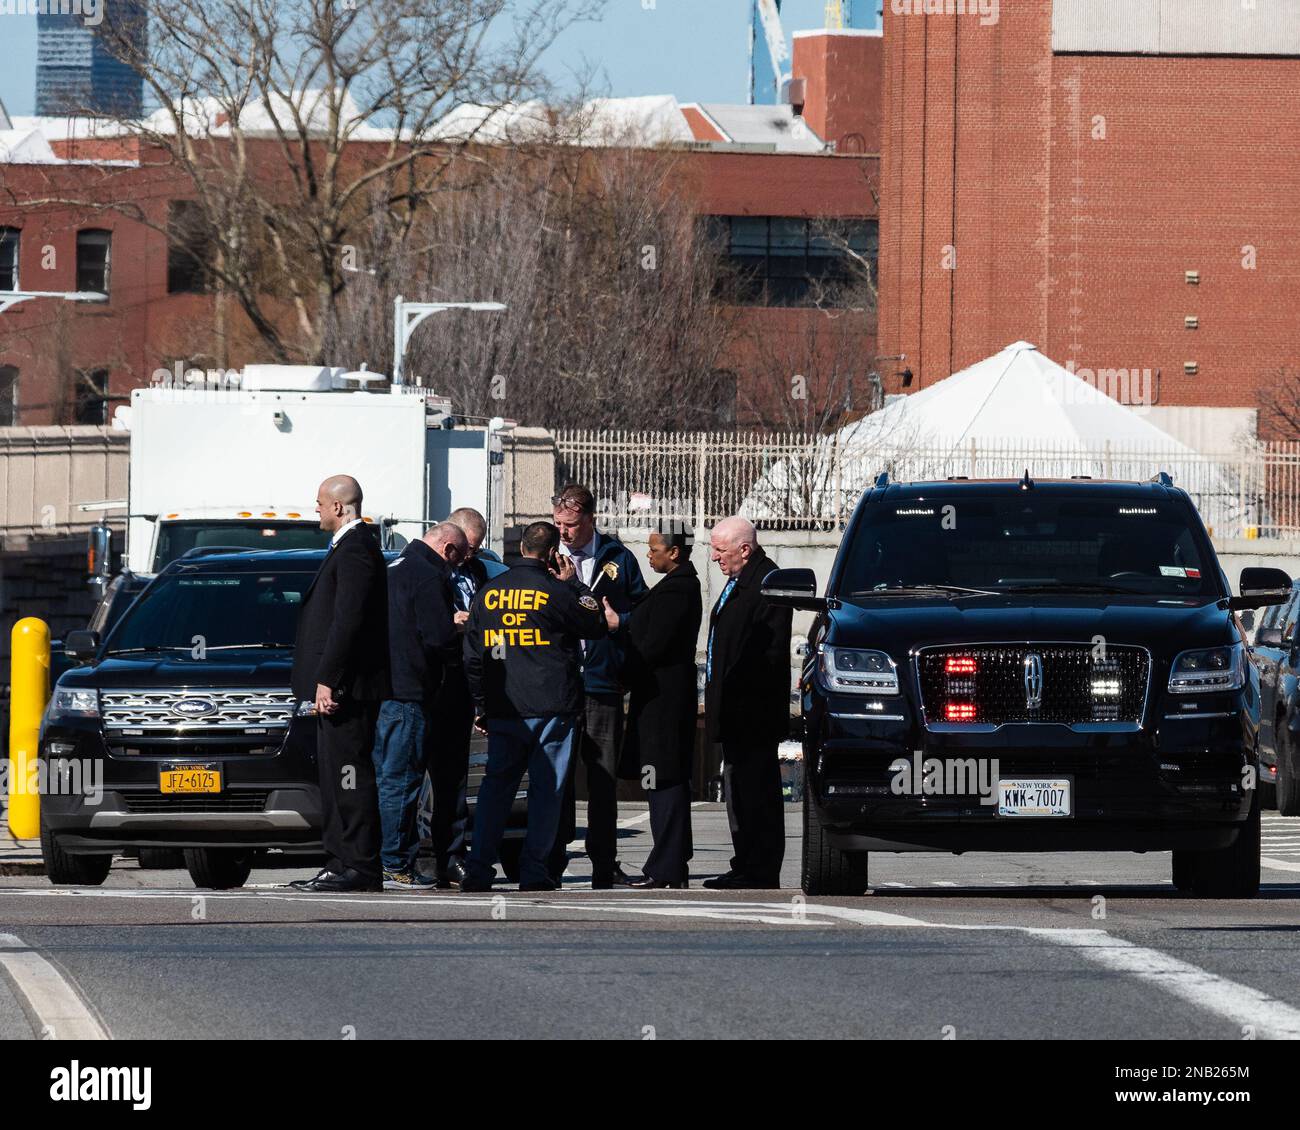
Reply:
x=661 y=634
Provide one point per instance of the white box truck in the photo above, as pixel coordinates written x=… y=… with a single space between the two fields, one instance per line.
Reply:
x=239 y=465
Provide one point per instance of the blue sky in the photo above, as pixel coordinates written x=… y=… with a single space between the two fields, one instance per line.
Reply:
x=696 y=49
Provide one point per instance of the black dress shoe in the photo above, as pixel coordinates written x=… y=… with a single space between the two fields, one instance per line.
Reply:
x=453 y=876
x=731 y=881
x=539 y=885
x=471 y=884
x=647 y=883
x=306 y=884
x=607 y=880
x=348 y=880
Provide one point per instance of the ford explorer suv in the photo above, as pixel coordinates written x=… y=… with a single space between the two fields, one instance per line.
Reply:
x=179 y=730
x=1030 y=666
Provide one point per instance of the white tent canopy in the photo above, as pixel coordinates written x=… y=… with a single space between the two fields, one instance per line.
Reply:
x=1012 y=412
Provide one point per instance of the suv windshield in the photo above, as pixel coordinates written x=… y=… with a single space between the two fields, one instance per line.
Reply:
x=1032 y=542
x=203 y=612
x=175 y=539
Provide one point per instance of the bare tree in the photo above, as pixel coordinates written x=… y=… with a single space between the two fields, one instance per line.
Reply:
x=304 y=130
x=610 y=318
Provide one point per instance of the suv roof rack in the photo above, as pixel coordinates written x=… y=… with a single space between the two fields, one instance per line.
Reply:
x=1164 y=478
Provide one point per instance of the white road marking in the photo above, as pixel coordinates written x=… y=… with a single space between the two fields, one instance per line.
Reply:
x=634 y=820
x=56 y=1005
x=1277 y=864
x=1233 y=1001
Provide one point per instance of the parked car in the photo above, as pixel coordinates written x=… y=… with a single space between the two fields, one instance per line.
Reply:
x=1075 y=644
x=1277 y=655
x=185 y=709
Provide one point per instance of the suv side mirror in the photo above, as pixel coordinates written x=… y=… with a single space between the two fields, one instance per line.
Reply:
x=1260 y=587
x=81 y=645
x=1268 y=637
x=793 y=588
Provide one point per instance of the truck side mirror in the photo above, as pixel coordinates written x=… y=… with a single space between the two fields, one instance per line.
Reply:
x=1261 y=587
x=793 y=588
x=99 y=554
x=81 y=645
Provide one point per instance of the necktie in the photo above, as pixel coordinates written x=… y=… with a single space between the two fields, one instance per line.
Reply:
x=708 y=658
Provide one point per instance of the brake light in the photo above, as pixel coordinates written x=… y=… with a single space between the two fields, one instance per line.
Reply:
x=960 y=712
x=959 y=665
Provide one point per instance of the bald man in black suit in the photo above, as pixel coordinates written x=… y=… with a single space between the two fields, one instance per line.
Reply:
x=340 y=664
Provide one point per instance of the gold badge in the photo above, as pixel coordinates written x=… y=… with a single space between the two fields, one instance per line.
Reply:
x=610 y=570
x=588 y=602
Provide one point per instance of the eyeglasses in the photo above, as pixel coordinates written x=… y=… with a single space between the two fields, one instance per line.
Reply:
x=566 y=502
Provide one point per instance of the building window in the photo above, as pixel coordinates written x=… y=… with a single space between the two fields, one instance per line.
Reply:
x=90 y=405
x=93 y=246
x=8 y=258
x=189 y=249
x=781 y=261
x=8 y=396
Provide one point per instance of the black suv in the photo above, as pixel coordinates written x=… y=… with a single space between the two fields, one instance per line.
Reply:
x=1030 y=666
x=1277 y=655
x=184 y=718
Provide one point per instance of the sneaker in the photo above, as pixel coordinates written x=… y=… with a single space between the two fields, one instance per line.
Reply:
x=408 y=881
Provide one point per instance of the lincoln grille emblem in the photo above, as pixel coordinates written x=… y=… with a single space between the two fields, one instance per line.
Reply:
x=1033 y=681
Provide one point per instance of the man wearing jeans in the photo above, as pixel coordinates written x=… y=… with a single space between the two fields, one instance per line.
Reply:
x=523 y=663
x=421 y=633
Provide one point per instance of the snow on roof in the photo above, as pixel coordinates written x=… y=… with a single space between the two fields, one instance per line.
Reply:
x=654 y=119
x=777 y=126
x=25 y=147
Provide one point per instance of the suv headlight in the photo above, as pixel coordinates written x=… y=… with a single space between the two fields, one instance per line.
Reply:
x=306 y=709
x=73 y=702
x=1208 y=669
x=853 y=671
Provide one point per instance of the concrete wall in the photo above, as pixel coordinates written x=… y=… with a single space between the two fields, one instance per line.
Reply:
x=45 y=472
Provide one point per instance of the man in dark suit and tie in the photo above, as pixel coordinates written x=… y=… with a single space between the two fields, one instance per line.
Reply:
x=340 y=664
x=747 y=705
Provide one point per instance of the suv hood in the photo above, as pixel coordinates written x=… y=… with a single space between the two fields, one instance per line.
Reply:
x=144 y=672
x=903 y=623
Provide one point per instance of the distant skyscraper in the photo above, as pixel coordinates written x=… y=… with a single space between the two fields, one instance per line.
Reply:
x=76 y=71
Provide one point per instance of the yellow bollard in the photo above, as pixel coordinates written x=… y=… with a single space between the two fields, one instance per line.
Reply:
x=29 y=692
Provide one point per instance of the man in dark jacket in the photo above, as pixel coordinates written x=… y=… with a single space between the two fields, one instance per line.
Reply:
x=523 y=664
x=660 y=636
x=452 y=723
x=606 y=567
x=340 y=665
x=747 y=705
x=421 y=635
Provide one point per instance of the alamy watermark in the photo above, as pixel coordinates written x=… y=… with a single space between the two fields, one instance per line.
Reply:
x=90 y=11
x=949 y=776
x=989 y=11
x=60 y=776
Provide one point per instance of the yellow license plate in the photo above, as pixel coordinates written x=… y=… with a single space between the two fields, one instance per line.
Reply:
x=190 y=779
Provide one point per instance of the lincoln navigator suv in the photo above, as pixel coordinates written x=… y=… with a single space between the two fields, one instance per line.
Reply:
x=1030 y=666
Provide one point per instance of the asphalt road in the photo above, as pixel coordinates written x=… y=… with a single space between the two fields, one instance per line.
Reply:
x=977 y=947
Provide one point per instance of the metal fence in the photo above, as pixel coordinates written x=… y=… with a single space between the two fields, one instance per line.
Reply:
x=813 y=481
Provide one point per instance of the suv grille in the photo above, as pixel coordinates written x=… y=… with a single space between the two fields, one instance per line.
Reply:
x=1067 y=684
x=247 y=800
x=196 y=711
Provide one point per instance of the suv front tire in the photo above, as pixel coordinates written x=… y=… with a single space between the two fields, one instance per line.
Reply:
x=64 y=869
x=826 y=870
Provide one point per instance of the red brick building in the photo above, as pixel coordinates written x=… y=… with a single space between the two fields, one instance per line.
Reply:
x=769 y=175
x=1116 y=181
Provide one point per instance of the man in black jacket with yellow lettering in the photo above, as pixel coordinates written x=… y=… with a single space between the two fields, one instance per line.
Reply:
x=523 y=663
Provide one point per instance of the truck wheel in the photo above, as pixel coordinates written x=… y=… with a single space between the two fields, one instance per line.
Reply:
x=510 y=853
x=161 y=859
x=827 y=870
x=64 y=869
x=219 y=868
x=1228 y=873
x=1287 y=788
